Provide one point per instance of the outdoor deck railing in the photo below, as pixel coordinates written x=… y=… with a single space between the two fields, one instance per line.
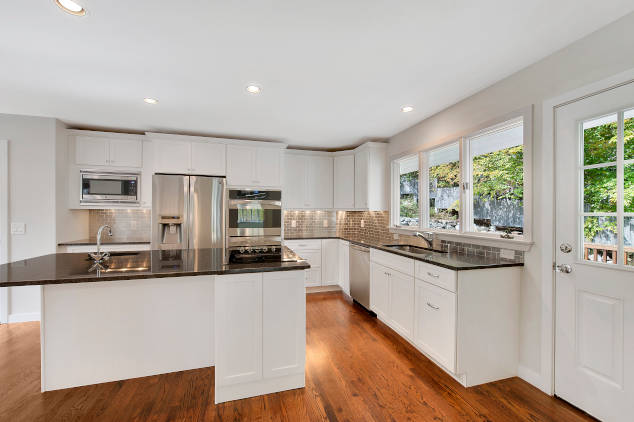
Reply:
x=599 y=253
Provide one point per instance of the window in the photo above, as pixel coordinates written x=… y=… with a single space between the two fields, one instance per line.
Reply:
x=477 y=184
x=408 y=209
x=602 y=209
x=443 y=179
x=496 y=188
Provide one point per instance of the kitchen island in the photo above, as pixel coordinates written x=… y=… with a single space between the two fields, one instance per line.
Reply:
x=152 y=312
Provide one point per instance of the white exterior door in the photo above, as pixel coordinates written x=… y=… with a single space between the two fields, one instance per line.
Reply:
x=594 y=324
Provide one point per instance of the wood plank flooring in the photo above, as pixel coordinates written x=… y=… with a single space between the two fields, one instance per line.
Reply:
x=357 y=370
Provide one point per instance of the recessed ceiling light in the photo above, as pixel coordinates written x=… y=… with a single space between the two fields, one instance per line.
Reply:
x=150 y=100
x=253 y=89
x=69 y=6
x=407 y=109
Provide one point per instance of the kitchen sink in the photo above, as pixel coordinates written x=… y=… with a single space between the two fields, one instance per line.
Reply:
x=413 y=249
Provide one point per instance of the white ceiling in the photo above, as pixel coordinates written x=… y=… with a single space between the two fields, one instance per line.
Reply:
x=333 y=72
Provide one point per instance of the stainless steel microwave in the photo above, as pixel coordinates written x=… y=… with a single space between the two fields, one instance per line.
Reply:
x=109 y=188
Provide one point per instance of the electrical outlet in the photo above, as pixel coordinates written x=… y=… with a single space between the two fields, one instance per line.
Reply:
x=18 y=228
x=325 y=223
x=362 y=223
x=395 y=236
x=507 y=254
x=293 y=223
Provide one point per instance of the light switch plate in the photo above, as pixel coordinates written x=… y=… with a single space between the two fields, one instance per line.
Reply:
x=18 y=228
x=395 y=236
x=293 y=223
x=507 y=254
x=362 y=223
x=325 y=223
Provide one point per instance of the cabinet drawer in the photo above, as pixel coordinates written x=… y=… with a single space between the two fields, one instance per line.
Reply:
x=303 y=244
x=393 y=261
x=438 y=276
x=313 y=257
x=435 y=323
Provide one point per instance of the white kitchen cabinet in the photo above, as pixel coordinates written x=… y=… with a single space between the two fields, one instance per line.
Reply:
x=253 y=166
x=310 y=250
x=238 y=332
x=465 y=321
x=284 y=324
x=308 y=180
x=435 y=323
x=344 y=266
x=330 y=262
x=370 y=173
x=380 y=290
x=343 y=186
x=111 y=152
x=189 y=157
x=260 y=334
x=401 y=314
x=208 y=158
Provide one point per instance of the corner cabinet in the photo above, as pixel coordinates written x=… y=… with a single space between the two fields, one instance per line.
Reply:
x=370 y=177
x=343 y=195
x=467 y=322
x=260 y=334
x=255 y=166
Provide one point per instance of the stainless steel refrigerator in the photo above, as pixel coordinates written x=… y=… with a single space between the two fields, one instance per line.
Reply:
x=187 y=212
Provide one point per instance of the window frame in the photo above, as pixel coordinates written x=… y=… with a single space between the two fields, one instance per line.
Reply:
x=466 y=232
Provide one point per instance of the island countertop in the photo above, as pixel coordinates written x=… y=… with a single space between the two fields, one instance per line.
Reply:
x=64 y=268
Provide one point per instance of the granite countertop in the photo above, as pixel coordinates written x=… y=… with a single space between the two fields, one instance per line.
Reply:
x=63 y=268
x=106 y=240
x=452 y=260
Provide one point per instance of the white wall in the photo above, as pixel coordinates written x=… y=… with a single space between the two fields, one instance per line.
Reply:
x=601 y=54
x=31 y=200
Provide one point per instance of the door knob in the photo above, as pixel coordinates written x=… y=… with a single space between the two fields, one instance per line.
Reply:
x=563 y=268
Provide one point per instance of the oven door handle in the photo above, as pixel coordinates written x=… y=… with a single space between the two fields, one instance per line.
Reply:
x=252 y=206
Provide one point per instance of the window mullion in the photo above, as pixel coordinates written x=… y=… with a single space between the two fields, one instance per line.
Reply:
x=466 y=187
x=423 y=190
x=620 y=186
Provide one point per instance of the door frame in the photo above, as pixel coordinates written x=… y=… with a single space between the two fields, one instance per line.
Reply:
x=4 y=224
x=548 y=227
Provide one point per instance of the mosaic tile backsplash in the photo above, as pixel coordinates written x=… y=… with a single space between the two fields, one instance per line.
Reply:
x=126 y=224
x=375 y=229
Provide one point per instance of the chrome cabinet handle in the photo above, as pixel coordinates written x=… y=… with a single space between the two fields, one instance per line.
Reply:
x=435 y=308
x=433 y=275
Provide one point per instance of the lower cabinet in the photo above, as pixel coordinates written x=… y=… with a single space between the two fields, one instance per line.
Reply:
x=392 y=298
x=435 y=323
x=260 y=334
x=344 y=266
x=380 y=290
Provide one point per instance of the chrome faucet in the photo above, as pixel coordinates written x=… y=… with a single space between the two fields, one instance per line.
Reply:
x=98 y=257
x=427 y=237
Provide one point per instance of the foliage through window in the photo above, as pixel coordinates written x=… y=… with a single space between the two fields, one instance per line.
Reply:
x=408 y=191
x=444 y=187
x=497 y=169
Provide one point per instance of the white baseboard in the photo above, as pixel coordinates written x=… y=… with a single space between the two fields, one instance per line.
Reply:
x=532 y=377
x=24 y=317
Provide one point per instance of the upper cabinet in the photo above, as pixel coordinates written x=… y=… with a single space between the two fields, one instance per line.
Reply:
x=308 y=180
x=108 y=151
x=370 y=161
x=183 y=156
x=343 y=196
x=254 y=166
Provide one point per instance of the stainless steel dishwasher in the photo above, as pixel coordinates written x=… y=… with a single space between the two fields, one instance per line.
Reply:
x=360 y=275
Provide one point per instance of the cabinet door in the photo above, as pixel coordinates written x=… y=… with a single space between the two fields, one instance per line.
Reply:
x=344 y=182
x=435 y=323
x=344 y=266
x=402 y=303
x=268 y=163
x=361 y=163
x=320 y=182
x=284 y=323
x=238 y=327
x=208 y=158
x=240 y=165
x=91 y=151
x=126 y=153
x=329 y=261
x=171 y=157
x=295 y=188
x=312 y=277
x=380 y=290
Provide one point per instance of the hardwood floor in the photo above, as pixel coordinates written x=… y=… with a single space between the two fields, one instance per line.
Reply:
x=356 y=370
